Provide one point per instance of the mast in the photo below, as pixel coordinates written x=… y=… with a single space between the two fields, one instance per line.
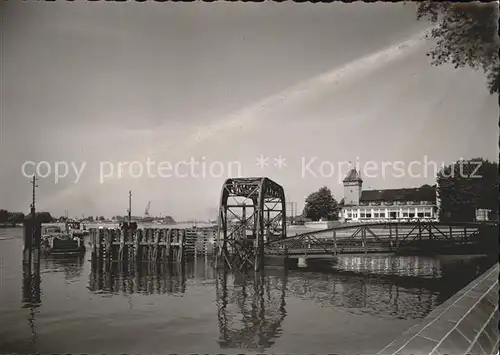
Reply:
x=34 y=186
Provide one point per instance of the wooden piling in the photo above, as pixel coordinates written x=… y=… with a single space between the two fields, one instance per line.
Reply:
x=122 y=238
x=156 y=238
x=181 y=246
x=168 y=245
x=148 y=244
x=137 y=245
x=108 y=239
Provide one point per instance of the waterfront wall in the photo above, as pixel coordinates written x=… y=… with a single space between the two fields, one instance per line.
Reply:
x=465 y=324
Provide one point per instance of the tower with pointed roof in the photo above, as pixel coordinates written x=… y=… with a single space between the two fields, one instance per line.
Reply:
x=352 y=187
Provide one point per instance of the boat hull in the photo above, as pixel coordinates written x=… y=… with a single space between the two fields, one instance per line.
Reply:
x=63 y=246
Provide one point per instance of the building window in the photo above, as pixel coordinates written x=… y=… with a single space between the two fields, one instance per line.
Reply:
x=368 y=215
x=379 y=214
x=420 y=214
x=361 y=215
x=428 y=214
x=411 y=215
x=405 y=214
x=349 y=214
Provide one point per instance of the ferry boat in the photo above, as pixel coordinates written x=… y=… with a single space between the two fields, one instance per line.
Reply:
x=75 y=228
x=56 y=241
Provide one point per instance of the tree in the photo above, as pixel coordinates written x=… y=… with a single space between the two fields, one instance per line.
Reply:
x=4 y=216
x=101 y=218
x=466 y=186
x=321 y=204
x=168 y=220
x=466 y=35
x=16 y=217
x=44 y=217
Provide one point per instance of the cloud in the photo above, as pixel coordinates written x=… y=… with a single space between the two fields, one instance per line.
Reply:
x=249 y=116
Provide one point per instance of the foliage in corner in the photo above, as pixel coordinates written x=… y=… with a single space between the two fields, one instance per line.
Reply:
x=466 y=34
x=466 y=186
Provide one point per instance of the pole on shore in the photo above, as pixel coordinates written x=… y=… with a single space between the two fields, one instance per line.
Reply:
x=32 y=230
x=129 y=206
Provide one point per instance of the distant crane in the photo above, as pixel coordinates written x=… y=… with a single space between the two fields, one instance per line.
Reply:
x=146 y=211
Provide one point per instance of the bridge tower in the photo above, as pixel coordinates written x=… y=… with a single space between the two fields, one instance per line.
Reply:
x=252 y=212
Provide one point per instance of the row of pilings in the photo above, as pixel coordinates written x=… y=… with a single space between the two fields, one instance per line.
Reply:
x=150 y=244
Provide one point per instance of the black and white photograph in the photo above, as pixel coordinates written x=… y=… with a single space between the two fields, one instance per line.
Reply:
x=249 y=177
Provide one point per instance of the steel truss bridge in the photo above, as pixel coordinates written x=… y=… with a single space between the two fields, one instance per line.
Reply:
x=385 y=237
x=252 y=224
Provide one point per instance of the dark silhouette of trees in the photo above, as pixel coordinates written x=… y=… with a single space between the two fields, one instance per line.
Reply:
x=168 y=220
x=44 y=217
x=321 y=205
x=4 y=216
x=15 y=218
x=466 y=186
x=426 y=186
x=466 y=35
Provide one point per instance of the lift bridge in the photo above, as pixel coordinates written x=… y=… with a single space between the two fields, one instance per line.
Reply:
x=252 y=212
x=252 y=229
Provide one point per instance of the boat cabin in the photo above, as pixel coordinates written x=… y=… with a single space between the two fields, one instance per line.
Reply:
x=51 y=230
x=72 y=225
x=128 y=225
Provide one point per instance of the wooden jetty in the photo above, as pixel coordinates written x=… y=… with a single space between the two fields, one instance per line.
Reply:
x=128 y=243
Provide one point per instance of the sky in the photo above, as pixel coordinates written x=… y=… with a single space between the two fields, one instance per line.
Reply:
x=306 y=87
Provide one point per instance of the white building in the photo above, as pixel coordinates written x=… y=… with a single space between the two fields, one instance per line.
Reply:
x=394 y=204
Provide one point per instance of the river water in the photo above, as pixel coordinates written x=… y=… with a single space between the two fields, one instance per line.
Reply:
x=356 y=305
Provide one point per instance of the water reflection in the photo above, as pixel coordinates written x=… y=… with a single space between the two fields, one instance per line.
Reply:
x=31 y=290
x=71 y=265
x=413 y=266
x=385 y=297
x=387 y=286
x=31 y=293
x=251 y=309
x=146 y=278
